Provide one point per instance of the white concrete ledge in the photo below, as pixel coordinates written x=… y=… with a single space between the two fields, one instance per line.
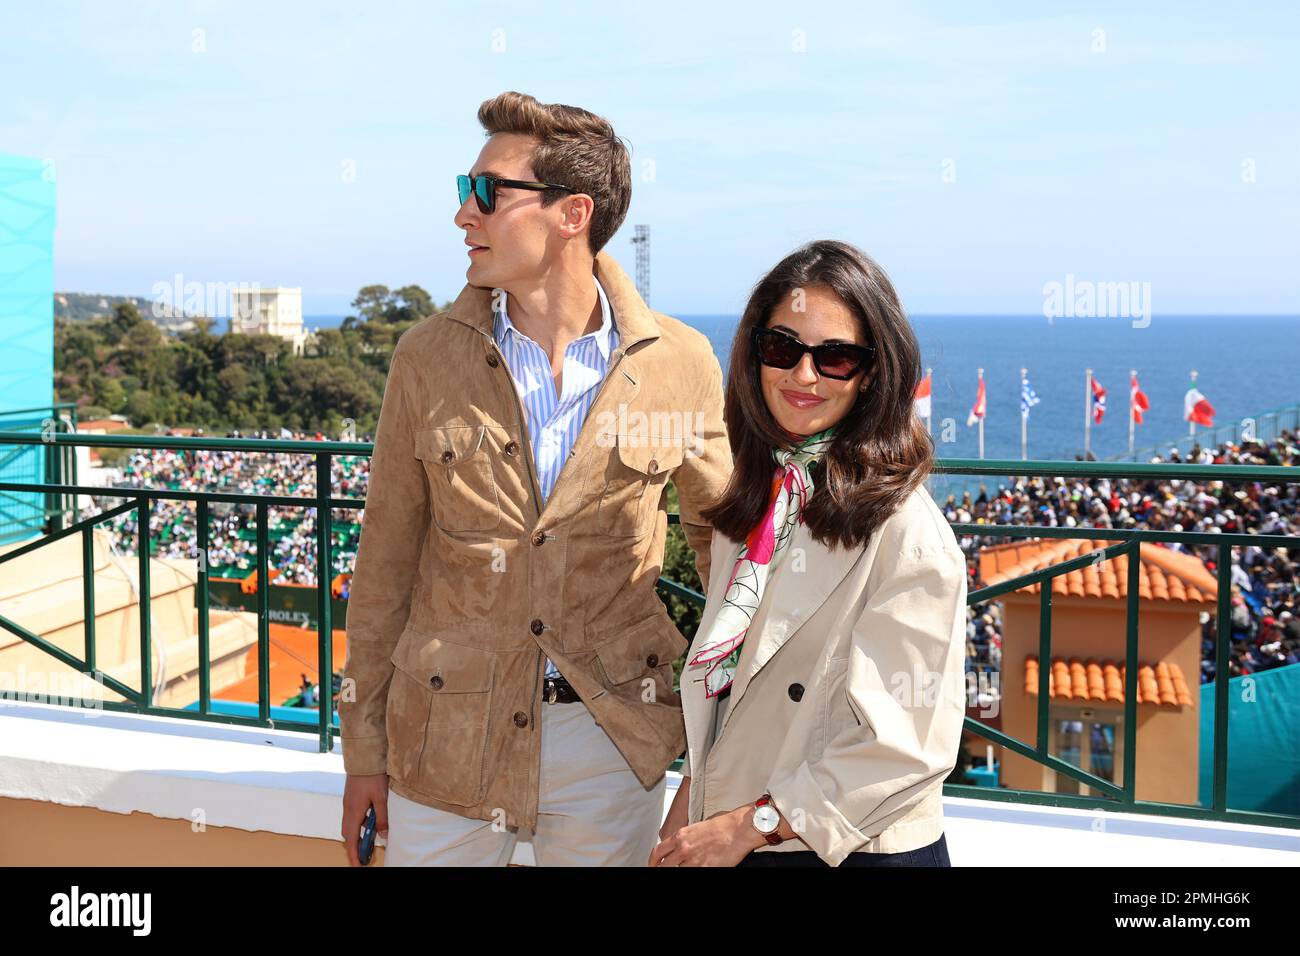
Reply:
x=171 y=767
x=278 y=781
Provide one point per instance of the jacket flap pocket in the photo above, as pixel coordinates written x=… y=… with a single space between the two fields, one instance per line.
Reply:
x=638 y=648
x=650 y=459
x=448 y=445
x=443 y=666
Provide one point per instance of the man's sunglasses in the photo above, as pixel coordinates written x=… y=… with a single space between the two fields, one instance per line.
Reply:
x=485 y=189
x=780 y=350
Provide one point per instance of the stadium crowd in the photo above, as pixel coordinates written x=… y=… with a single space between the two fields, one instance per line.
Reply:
x=1265 y=589
x=1265 y=593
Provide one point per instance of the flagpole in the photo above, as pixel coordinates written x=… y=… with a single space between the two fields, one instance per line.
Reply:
x=1191 y=422
x=929 y=416
x=1024 y=421
x=1087 y=412
x=982 y=417
x=1132 y=377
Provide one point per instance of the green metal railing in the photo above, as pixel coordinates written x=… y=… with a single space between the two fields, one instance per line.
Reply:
x=142 y=701
x=1127 y=542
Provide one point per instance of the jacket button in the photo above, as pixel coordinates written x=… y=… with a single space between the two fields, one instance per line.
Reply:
x=436 y=681
x=492 y=360
x=796 y=692
x=652 y=660
x=512 y=448
x=539 y=539
x=521 y=719
x=448 y=455
x=537 y=626
x=654 y=465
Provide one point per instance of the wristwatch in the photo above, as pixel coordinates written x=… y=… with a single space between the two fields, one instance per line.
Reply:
x=767 y=819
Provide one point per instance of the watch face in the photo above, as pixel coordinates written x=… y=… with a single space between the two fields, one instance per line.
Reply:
x=766 y=819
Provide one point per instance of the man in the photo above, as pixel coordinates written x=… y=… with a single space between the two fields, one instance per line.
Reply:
x=509 y=662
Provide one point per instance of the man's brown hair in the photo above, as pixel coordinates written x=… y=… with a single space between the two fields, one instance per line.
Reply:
x=576 y=149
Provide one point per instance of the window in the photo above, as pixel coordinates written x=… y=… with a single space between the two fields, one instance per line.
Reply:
x=1090 y=739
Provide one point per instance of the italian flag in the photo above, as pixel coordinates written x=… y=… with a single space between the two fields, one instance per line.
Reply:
x=921 y=400
x=1196 y=408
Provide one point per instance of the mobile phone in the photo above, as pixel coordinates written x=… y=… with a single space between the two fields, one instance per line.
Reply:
x=367 y=846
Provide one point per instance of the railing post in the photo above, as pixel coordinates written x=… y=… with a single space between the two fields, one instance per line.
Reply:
x=88 y=592
x=324 y=597
x=142 y=510
x=1134 y=556
x=263 y=622
x=202 y=600
x=1222 y=644
x=1044 y=663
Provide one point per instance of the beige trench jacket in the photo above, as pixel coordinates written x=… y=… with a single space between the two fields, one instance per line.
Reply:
x=463 y=583
x=848 y=700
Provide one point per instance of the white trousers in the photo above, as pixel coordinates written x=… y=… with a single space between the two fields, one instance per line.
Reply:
x=592 y=810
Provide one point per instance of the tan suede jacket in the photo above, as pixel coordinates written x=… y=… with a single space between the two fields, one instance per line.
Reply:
x=463 y=583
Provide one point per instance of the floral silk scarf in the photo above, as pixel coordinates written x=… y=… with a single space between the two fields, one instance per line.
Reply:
x=792 y=485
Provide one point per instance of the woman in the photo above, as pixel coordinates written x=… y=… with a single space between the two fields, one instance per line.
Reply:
x=824 y=693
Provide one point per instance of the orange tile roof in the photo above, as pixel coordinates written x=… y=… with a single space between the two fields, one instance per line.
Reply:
x=1103 y=680
x=1163 y=575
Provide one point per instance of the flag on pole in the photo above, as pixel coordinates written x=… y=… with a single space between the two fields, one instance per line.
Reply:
x=1139 y=400
x=1028 y=398
x=921 y=399
x=1196 y=408
x=1098 y=402
x=977 y=410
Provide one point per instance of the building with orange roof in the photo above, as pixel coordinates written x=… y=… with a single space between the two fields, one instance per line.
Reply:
x=1087 y=669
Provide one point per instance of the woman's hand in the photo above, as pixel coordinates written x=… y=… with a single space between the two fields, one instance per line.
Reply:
x=724 y=839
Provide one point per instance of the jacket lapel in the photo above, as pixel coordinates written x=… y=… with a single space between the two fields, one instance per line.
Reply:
x=808 y=574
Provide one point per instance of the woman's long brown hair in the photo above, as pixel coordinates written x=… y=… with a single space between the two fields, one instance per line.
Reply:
x=881 y=449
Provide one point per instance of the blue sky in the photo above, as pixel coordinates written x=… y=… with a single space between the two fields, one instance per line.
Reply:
x=754 y=127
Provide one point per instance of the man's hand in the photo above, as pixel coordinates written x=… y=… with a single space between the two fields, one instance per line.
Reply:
x=360 y=793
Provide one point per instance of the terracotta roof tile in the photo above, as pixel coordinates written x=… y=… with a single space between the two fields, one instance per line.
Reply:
x=1163 y=575
x=1102 y=679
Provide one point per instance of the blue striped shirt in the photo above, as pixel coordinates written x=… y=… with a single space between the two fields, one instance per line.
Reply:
x=554 y=421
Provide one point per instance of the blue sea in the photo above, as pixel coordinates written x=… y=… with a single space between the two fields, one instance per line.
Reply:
x=1248 y=367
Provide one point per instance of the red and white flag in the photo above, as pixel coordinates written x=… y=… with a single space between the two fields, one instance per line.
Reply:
x=1138 y=398
x=977 y=410
x=1098 y=402
x=1196 y=408
x=921 y=400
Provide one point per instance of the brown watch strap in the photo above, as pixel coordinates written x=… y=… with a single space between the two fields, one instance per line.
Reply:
x=774 y=837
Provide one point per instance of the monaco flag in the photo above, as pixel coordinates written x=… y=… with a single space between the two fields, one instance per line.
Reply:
x=1138 y=399
x=921 y=400
x=1196 y=408
x=977 y=410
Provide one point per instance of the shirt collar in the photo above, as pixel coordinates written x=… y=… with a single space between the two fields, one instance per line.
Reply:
x=501 y=323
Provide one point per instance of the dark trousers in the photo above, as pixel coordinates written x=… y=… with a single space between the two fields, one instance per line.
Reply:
x=936 y=854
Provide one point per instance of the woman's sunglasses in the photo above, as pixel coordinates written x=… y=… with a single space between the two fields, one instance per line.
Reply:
x=779 y=350
x=485 y=189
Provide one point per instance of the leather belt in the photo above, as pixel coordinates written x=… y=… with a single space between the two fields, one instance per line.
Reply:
x=557 y=690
